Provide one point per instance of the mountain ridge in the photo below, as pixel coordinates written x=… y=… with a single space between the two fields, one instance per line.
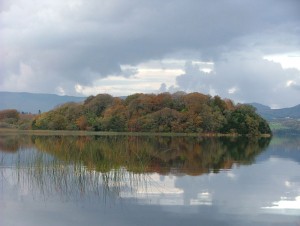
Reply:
x=33 y=102
x=273 y=114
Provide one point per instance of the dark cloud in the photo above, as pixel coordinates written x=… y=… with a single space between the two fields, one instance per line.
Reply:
x=78 y=41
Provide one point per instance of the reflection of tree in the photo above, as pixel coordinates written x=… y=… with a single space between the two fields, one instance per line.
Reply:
x=188 y=155
x=107 y=165
x=14 y=142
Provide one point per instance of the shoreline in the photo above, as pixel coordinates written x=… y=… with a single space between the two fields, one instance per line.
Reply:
x=106 y=133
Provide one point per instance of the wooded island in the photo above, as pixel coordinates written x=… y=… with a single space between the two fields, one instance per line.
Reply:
x=168 y=113
x=165 y=112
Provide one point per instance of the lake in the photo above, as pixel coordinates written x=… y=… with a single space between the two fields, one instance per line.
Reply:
x=148 y=180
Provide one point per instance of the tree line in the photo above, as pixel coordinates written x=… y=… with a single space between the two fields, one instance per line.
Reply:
x=164 y=112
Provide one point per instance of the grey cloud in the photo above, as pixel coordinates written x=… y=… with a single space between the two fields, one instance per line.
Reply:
x=163 y=88
x=296 y=86
x=249 y=78
x=194 y=79
x=84 y=42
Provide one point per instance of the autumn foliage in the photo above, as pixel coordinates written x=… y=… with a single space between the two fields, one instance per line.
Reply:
x=11 y=118
x=165 y=112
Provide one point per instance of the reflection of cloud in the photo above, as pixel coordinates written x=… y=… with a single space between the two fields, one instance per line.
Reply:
x=231 y=175
x=287 y=204
x=162 y=191
x=203 y=198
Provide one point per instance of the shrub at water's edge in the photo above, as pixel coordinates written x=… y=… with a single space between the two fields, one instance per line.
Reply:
x=165 y=112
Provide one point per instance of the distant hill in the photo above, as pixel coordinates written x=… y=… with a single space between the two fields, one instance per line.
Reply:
x=33 y=102
x=273 y=114
x=285 y=121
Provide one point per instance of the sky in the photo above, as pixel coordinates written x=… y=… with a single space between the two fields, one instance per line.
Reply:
x=248 y=51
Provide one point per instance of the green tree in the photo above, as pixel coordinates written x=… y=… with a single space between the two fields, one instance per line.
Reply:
x=98 y=103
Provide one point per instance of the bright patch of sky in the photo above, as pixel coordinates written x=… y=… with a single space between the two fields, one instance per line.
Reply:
x=147 y=78
x=287 y=60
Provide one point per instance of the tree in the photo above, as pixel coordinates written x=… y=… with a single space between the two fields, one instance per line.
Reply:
x=98 y=103
x=244 y=120
x=82 y=123
x=115 y=117
x=9 y=114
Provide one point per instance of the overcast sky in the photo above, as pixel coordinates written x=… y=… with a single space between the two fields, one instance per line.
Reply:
x=248 y=51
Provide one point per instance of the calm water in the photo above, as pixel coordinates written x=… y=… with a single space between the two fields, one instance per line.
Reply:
x=125 y=180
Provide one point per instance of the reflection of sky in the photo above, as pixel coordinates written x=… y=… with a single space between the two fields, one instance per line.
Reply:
x=162 y=190
x=265 y=193
x=251 y=189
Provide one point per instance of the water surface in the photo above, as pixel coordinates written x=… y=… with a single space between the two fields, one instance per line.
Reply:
x=128 y=180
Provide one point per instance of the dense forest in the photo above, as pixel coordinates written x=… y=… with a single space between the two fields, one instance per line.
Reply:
x=165 y=112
